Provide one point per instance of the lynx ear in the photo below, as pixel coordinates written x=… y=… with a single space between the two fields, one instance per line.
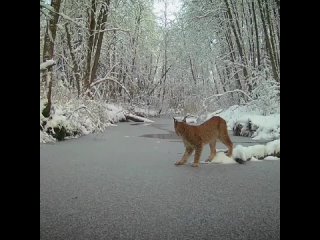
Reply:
x=185 y=118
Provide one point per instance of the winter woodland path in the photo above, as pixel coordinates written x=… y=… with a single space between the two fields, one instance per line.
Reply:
x=123 y=184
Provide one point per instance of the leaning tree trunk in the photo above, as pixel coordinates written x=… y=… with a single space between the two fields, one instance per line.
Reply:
x=48 y=48
x=100 y=38
x=75 y=66
x=96 y=32
x=92 y=24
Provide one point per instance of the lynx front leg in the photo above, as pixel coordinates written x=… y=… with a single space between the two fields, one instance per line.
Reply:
x=197 y=156
x=213 y=151
x=186 y=155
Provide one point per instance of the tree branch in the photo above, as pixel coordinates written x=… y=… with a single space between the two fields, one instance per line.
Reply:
x=107 y=79
x=113 y=29
x=221 y=94
x=48 y=7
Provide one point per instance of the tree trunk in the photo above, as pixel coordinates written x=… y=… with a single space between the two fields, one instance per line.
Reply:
x=90 y=45
x=268 y=45
x=48 y=48
x=272 y=38
x=238 y=42
x=257 y=33
x=192 y=71
x=74 y=62
x=233 y=55
x=100 y=38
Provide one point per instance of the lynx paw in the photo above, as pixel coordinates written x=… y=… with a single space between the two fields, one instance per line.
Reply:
x=180 y=163
x=195 y=165
x=229 y=155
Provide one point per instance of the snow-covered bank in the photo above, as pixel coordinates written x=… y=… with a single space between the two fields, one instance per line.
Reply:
x=270 y=151
x=76 y=118
x=250 y=123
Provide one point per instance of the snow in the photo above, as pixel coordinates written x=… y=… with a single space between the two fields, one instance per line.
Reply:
x=45 y=137
x=220 y=158
x=266 y=127
x=253 y=159
x=47 y=64
x=271 y=158
x=252 y=153
x=145 y=111
x=257 y=151
x=273 y=147
x=115 y=113
x=245 y=153
x=80 y=117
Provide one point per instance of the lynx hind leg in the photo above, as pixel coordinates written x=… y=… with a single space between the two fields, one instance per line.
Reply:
x=225 y=139
x=197 y=156
x=186 y=155
x=213 y=151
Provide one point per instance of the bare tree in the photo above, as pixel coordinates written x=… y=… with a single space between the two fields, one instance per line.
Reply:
x=48 y=48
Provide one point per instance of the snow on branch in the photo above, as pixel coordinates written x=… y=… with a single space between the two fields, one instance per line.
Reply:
x=81 y=107
x=236 y=90
x=108 y=79
x=51 y=9
x=205 y=14
x=113 y=29
x=43 y=5
x=47 y=64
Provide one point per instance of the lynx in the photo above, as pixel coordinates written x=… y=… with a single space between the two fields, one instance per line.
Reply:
x=196 y=137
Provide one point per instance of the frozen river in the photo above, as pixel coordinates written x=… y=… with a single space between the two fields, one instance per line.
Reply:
x=123 y=184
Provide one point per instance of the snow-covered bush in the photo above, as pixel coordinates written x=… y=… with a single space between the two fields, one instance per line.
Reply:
x=77 y=117
x=266 y=91
x=258 y=126
x=267 y=97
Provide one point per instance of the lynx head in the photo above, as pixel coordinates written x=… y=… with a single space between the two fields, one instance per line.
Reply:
x=177 y=124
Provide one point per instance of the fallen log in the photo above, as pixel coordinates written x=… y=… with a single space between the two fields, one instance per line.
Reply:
x=136 y=118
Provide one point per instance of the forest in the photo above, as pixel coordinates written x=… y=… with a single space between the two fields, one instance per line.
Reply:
x=102 y=61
